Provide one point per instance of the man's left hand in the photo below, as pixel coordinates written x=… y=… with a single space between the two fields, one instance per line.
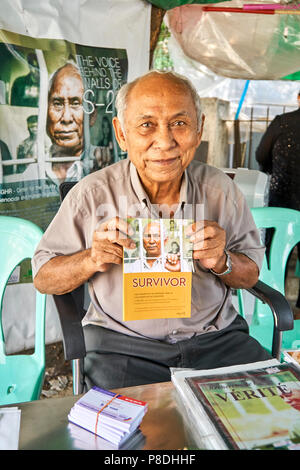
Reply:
x=209 y=241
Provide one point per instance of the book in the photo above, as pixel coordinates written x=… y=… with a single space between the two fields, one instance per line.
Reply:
x=86 y=440
x=252 y=406
x=157 y=273
x=109 y=415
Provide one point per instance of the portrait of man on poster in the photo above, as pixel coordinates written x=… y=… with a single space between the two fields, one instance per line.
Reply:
x=71 y=158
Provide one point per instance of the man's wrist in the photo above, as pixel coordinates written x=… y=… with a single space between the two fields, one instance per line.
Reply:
x=221 y=264
x=90 y=265
x=224 y=266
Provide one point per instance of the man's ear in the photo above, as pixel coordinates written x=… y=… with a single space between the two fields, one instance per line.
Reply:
x=119 y=134
x=200 y=132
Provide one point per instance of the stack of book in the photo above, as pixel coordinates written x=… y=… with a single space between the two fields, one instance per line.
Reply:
x=85 y=440
x=109 y=415
x=252 y=406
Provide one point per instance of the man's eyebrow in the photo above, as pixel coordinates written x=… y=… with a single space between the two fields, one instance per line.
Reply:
x=56 y=96
x=144 y=116
x=174 y=116
x=181 y=113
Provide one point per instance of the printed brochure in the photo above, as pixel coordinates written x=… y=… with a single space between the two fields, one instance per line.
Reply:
x=157 y=273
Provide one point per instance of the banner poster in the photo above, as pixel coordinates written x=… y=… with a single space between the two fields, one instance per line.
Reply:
x=56 y=108
x=157 y=273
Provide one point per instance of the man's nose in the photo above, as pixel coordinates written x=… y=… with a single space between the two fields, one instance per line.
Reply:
x=67 y=115
x=164 y=139
x=153 y=239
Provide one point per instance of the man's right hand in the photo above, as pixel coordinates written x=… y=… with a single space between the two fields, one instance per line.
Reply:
x=64 y=273
x=108 y=242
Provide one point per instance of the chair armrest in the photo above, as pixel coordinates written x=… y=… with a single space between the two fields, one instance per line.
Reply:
x=281 y=310
x=73 y=338
x=283 y=315
x=70 y=320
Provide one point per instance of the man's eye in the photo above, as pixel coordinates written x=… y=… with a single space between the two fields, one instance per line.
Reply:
x=146 y=125
x=75 y=103
x=179 y=123
x=57 y=104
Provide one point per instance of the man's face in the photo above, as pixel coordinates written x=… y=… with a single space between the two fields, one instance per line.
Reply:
x=174 y=248
x=65 y=112
x=152 y=241
x=32 y=128
x=160 y=134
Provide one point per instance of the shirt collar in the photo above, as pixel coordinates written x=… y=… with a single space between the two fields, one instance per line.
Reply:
x=157 y=262
x=143 y=196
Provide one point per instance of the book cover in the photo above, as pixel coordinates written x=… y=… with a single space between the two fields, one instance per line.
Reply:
x=255 y=409
x=157 y=274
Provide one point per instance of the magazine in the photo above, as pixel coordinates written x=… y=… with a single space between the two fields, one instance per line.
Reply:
x=292 y=355
x=253 y=406
x=157 y=273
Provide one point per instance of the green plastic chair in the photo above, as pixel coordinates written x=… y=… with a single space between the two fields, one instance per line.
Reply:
x=297 y=270
x=286 y=223
x=21 y=376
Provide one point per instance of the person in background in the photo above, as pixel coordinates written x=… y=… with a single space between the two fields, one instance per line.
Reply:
x=28 y=148
x=26 y=88
x=278 y=154
x=4 y=156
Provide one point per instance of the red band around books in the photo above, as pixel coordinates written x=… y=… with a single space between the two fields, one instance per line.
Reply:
x=101 y=409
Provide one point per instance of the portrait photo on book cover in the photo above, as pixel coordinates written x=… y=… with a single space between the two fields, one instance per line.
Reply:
x=161 y=246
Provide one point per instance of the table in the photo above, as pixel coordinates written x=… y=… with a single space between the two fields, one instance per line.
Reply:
x=45 y=426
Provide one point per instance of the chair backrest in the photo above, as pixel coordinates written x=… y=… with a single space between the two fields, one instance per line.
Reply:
x=21 y=375
x=70 y=308
x=286 y=225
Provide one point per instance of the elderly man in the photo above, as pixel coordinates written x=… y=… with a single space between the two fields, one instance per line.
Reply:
x=159 y=124
x=65 y=126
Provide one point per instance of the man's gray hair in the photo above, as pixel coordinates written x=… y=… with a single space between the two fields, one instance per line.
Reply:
x=122 y=95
